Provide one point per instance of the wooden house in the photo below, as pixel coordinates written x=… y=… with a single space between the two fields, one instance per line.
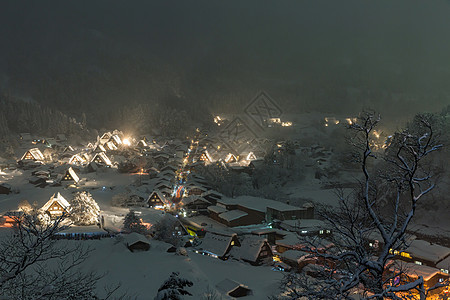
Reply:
x=5 y=188
x=77 y=160
x=70 y=175
x=110 y=146
x=230 y=158
x=423 y=253
x=212 y=196
x=196 y=190
x=116 y=140
x=204 y=156
x=99 y=148
x=169 y=168
x=254 y=250
x=218 y=245
x=33 y=154
x=233 y=289
x=196 y=203
x=56 y=206
x=136 y=242
x=105 y=137
x=157 y=200
x=410 y=272
x=102 y=160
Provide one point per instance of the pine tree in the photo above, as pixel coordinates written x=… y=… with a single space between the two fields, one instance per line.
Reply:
x=132 y=223
x=173 y=288
x=84 y=209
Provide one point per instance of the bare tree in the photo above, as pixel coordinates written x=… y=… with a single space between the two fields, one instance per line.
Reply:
x=399 y=182
x=33 y=265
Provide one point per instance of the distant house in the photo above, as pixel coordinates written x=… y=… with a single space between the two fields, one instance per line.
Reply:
x=77 y=160
x=33 y=154
x=26 y=137
x=254 y=250
x=61 y=138
x=5 y=188
x=157 y=199
x=297 y=259
x=423 y=253
x=197 y=203
x=110 y=146
x=204 y=156
x=230 y=158
x=92 y=167
x=99 y=148
x=136 y=242
x=142 y=144
x=411 y=272
x=56 y=206
x=196 y=190
x=212 y=196
x=70 y=175
x=102 y=160
x=105 y=137
x=116 y=140
x=233 y=289
x=218 y=245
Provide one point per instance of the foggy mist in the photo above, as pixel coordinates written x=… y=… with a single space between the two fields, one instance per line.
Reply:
x=326 y=56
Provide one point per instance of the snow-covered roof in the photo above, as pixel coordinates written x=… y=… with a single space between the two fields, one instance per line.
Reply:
x=158 y=194
x=304 y=224
x=294 y=255
x=232 y=215
x=228 y=286
x=217 y=209
x=103 y=158
x=194 y=198
x=250 y=248
x=444 y=264
x=425 y=250
x=35 y=153
x=74 y=175
x=415 y=270
x=133 y=238
x=216 y=243
x=76 y=159
x=259 y=204
x=60 y=199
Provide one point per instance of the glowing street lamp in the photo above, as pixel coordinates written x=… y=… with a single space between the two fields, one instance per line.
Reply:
x=126 y=142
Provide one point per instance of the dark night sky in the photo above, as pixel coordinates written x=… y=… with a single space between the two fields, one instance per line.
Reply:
x=325 y=55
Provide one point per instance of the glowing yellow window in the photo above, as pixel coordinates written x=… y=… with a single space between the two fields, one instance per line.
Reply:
x=405 y=254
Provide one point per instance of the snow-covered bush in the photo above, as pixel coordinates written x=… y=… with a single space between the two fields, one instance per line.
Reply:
x=174 y=288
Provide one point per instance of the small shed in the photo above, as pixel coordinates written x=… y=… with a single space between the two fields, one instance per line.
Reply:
x=233 y=289
x=136 y=242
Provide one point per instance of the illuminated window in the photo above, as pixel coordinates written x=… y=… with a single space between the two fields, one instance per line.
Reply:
x=405 y=254
x=418 y=263
x=321 y=232
x=232 y=243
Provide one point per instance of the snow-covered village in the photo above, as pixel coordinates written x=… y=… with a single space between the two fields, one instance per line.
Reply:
x=152 y=153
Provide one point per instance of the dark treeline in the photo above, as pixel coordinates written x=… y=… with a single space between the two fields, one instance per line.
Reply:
x=20 y=116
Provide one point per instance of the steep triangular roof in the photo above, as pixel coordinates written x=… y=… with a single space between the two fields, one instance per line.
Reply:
x=217 y=244
x=103 y=158
x=59 y=199
x=34 y=154
x=71 y=175
x=250 y=248
x=77 y=159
